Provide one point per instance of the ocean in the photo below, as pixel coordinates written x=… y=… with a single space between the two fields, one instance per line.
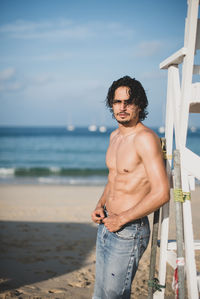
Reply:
x=60 y=156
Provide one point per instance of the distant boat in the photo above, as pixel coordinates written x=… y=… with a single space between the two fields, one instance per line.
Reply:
x=70 y=128
x=102 y=129
x=92 y=128
x=161 y=130
x=193 y=129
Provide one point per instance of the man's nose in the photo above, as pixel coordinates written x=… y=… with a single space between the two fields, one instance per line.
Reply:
x=123 y=105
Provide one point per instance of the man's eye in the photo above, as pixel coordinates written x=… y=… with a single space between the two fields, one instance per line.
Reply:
x=129 y=102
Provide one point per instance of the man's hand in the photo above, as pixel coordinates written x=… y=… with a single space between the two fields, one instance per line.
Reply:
x=112 y=223
x=98 y=215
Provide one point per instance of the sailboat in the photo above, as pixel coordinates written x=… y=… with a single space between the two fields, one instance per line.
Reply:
x=92 y=128
x=102 y=129
x=70 y=128
x=193 y=129
x=161 y=129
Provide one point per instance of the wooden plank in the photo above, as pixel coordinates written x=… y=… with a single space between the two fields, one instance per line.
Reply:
x=190 y=162
x=179 y=224
x=195 y=98
x=165 y=209
x=195 y=108
x=187 y=68
x=195 y=93
x=175 y=58
x=190 y=266
x=196 y=69
x=152 y=268
x=197 y=47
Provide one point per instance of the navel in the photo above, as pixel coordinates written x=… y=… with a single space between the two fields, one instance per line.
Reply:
x=125 y=170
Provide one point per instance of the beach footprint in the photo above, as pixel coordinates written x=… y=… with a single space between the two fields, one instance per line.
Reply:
x=57 y=291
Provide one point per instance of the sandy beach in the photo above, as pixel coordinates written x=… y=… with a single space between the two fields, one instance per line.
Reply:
x=47 y=247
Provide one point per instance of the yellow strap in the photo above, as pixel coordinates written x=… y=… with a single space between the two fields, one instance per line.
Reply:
x=167 y=157
x=164 y=155
x=186 y=196
x=178 y=195
x=163 y=145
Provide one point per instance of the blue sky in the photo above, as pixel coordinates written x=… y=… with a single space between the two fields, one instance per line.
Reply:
x=58 y=58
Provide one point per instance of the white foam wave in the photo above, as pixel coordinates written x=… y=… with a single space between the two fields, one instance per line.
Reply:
x=46 y=180
x=54 y=169
x=7 y=172
x=71 y=181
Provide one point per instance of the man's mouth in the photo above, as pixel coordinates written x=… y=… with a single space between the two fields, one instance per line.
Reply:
x=123 y=114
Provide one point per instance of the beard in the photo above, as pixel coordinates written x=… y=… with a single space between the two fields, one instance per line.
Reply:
x=123 y=122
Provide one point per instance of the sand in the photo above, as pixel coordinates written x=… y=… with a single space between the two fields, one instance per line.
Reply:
x=47 y=247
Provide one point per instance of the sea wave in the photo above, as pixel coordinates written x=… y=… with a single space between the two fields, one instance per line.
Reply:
x=52 y=171
x=73 y=181
x=7 y=172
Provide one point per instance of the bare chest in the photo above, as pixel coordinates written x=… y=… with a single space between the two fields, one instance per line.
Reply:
x=122 y=156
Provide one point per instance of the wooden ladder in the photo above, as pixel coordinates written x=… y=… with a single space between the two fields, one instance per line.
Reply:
x=182 y=98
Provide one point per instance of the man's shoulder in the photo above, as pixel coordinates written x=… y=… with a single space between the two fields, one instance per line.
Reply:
x=146 y=136
x=114 y=133
x=145 y=132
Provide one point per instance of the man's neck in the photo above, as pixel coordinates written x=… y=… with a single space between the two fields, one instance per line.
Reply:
x=126 y=129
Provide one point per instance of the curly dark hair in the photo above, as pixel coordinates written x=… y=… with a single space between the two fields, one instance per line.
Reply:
x=136 y=92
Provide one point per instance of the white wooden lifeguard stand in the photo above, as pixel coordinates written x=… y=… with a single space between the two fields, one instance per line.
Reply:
x=182 y=99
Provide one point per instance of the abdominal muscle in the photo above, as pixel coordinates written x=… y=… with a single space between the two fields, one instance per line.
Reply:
x=125 y=191
x=127 y=181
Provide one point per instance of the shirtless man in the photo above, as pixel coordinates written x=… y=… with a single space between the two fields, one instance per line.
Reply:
x=137 y=186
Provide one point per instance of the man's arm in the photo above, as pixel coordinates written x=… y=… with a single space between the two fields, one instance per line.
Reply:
x=98 y=214
x=149 y=150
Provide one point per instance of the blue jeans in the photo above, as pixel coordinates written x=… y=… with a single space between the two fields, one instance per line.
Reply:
x=117 y=258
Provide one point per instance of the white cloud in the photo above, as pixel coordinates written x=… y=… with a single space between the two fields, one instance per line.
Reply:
x=8 y=81
x=60 y=87
x=22 y=26
x=7 y=74
x=10 y=86
x=45 y=30
x=62 y=29
x=42 y=79
x=60 y=55
x=148 y=48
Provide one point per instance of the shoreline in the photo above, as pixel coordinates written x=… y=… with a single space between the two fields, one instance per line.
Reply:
x=48 y=242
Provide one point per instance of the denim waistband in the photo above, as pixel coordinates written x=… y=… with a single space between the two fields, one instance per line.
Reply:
x=139 y=221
